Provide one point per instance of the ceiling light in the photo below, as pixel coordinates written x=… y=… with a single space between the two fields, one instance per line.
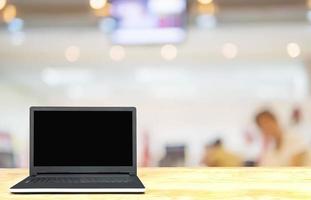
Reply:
x=97 y=4
x=308 y=15
x=72 y=53
x=2 y=4
x=205 y=1
x=169 y=52
x=16 y=25
x=9 y=13
x=229 y=50
x=293 y=49
x=117 y=53
x=206 y=21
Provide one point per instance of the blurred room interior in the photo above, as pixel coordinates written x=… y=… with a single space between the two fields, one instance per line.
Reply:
x=198 y=72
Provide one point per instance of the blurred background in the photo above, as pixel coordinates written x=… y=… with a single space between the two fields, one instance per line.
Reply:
x=215 y=82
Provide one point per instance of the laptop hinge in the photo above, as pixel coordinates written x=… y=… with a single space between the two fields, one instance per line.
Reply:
x=83 y=173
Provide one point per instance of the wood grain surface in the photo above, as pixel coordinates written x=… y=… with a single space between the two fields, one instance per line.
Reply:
x=193 y=183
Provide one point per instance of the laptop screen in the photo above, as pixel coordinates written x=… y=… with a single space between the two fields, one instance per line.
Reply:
x=83 y=138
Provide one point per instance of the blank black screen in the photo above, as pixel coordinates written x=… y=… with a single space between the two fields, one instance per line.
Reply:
x=83 y=138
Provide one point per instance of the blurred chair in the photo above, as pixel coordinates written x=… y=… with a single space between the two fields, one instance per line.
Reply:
x=216 y=155
x=6 y=151
x=174 y=156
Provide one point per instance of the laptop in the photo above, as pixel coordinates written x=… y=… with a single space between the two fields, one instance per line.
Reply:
x=82 y=150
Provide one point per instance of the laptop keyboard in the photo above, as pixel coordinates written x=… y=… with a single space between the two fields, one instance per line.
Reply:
x=78 y=180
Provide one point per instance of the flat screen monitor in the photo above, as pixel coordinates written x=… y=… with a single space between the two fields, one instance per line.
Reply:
x=148 y=21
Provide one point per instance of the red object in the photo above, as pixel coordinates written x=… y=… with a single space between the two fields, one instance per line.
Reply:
x=146 y=150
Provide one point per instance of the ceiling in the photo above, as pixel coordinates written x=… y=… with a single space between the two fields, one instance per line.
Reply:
x=73 y=13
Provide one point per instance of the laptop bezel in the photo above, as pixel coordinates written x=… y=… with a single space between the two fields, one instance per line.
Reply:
x=34 y=170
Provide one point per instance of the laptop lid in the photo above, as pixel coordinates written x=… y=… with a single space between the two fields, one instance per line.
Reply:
x=82 y=140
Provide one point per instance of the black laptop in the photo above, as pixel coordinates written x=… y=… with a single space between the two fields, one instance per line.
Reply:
x=82 y=150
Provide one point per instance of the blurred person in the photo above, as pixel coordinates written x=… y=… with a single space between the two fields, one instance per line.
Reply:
x=297 y=124
x=296 y=116
x=216 y=155
x=279 y=148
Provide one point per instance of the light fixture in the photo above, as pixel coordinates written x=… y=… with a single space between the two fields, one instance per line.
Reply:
x=107 y=24
x=72 y=53
x=308 y=15
x=169 y=52
x=293 y=49
x=97 y=4
x=16 y=25
x=117 y=53
x=2 y=4
x=229 y=50
x=206 y=21
x=103 y=11
x=210 y=8
x=205 y=1
x=9 y=13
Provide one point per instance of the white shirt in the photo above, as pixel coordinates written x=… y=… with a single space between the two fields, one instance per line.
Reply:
x=291 y=145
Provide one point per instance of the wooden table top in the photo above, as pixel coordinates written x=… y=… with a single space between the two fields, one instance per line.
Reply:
x=193 y=183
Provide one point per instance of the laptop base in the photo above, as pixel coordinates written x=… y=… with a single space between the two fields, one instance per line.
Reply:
x=75 y=190
x=132 y=186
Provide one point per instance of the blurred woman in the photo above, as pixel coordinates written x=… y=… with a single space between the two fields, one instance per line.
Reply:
x=279 y=148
